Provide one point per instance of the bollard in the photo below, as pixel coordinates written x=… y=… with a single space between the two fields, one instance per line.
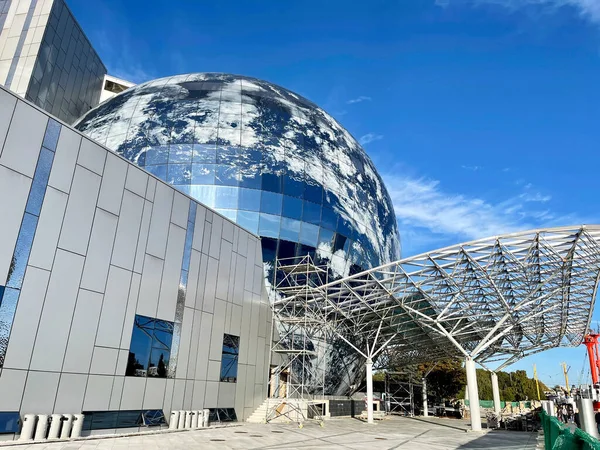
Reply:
x=41 y=429
x=551 y=411
x=65 y=431
x=195 y=418
x=174 y=420
x=206 y=418
x=586 y=417
x=27 y=427
x=181 y=423
x=188 y=419
x=77 y=425
x=55 y=426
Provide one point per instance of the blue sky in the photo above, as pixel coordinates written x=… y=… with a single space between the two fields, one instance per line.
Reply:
x=481 y=115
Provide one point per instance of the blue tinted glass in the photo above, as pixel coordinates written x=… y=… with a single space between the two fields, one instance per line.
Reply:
x=326 y=237
x=22 y=250
x=204 y=194
x=271 y=202
x=313 y=193
x=180 y=153
x=159 y=363
x=290 y=229
x=206 y=154
x=179 y=173
x=250 y=179
x=157 y=155
x=250 y=199
x=271 y=182
x=345 y=227
x=8 y=306
x=187 y=248
x=226 y=155
x=293 y=187
x=158 y=171
x=268 y=225
x=40 y=181
x=139 y=350
x=226 y=197
x=311 y=212
x=203 y=173
x=9 y=422
x=339 y=242
x=231 y=214
x=309 y=234
x=51 y=136
x=329 y=219
x=229 y=358
x=248 y=220
x=226 y=175
x=292 y=207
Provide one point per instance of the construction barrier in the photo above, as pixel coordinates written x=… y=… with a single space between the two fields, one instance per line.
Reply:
x=557 y=436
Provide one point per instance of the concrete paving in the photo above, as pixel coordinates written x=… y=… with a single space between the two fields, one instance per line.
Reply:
x=392 y=433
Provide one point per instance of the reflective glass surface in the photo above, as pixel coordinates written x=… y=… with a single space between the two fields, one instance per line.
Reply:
x=150 y=348
x=229 y=358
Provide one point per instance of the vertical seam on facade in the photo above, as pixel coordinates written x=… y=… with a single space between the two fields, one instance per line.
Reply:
x=15 y=61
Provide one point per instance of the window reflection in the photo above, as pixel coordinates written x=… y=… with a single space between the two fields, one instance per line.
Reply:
x=226 y=175
x=311 y=213
x=203 y=174
x=51 y=136
x=249 y=199
x=290 y=230
x=229 y=358
x=159 y=171
x=40 y=181
x=204 y=153
x=180 y=153
x=180 y=173
x=150 y=348
x=271 y=202
x=309 y=234
x=269 y=225
x=204 y=194
x=248 y=220
x=18 y=264
x=157 y=155
x=292 y=207
x=226 y=197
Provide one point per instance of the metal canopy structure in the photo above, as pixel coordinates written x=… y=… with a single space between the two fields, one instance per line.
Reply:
x=492 y=301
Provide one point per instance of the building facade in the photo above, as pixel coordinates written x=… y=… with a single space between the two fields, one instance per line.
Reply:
x=46 y=58
x=119 y=295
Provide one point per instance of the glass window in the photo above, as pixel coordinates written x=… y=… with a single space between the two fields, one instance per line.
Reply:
x=286 y=249
x=179 y=173
x=326 y=237
x=311 y=213
x=150 y=348
x=204 y=153
x=204 y=194
x=329 y=219
x=40 y=181
x=250 y=199
x=271 y=182
x=227 y=155
x=268 y=225
x=159 y=171
x=250 y=179
x=51 y=136
x=270 y=203
x=248 y=220
x=180 y=153
x=226 y=197
x=313 y=193
x=9 y=422
x=226 y=175
x=231 y=214
x=18 y=264
x=309 y=234
x=157 y=155
x=293 y=186
x=292 y=207
x=339 y=242
x=203 y=174
x=290 y=230
x=269 y=249
x=229 y=359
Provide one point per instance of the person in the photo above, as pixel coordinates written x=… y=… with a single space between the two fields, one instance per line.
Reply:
x=597 y=417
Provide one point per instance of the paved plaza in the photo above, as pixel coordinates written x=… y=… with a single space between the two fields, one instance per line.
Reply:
x=393 y=433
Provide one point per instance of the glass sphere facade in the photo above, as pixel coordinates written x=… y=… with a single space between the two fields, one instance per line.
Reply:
x=261 y=155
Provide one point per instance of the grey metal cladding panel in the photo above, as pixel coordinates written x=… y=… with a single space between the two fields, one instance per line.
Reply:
x=7 y=107
x=65 y=159
x=137 y=180
x=204 y=346
x=262 y=319
x=104 y=361
x=80 y=211
x=238 y=282
x=240 y=392
x=254 y=325
x=215 y=236
x=181 y=207
x=128 y=231
x=122 y=362
x=114 y=307
x=159 y=222
x=29 y=309
x=12 y=385
x=214 y=370
x=151 y=189
x=48 y=229
x=97 y=393
x=228 y=230
x=24 y=139
x=71 y=390
x=218 y=329
x=226 y=395
x=212 y=394
x=130 y=311
x=223 y=275
x=199 y=228
x=155 y=393
x=168 y=400
x=99 y=252
x=92 y=156
x=210 y=285
x=192 y=284
x=260 y=360
x=194 y=342
x=178 y=393
x=201 y=285
x=198 y=396
x=113 y=184
x=148 y=299
x=143 y=237
x=249 y=270
x=245 y=329
x=83 y=332
x=250 y=377
x=14 y=189
x=189 y=393
x=259 y=279
x=207 y=233
x=169 y=289
x=242 y=247
x=40 y=392
x=236 y=320
x=133 y=393
x=117 y=392
x=185 y=343
x=53 y=331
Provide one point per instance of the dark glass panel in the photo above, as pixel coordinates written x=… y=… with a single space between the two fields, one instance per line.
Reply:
x=339 y=242
x=286 y=249
x=141 y=343
x=229 y=359
x=311 y=212
x=250 y=179
x=9 y=422
x=329 y=219
x=271 y=203
x=313 y=193
x=269 y=249
x=271 y=182
x=326 y=237
x=292 y=207
x=293 y=185
x=159 y=363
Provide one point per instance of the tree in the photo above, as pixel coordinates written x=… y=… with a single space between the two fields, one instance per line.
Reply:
x=445 y=380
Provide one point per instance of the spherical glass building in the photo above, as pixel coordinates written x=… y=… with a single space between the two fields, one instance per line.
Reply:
x=261 y=155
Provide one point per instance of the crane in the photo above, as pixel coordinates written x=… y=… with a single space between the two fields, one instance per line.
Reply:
x=591 y=342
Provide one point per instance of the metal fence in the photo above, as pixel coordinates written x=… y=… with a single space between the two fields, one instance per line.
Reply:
x=557 y=436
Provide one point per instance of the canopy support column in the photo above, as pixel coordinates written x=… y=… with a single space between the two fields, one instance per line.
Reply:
x=496 y=393
x=473 y=394
x=424 y=391
x=369 y=367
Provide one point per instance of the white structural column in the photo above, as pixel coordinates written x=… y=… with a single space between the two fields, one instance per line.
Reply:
x=473 y=394
x=496 y=393
x=369 y=366
x=424 y=391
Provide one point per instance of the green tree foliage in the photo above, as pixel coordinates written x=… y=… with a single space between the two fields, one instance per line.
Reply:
x=445 y=380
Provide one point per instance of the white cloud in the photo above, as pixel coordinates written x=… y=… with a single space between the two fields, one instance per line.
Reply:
x=424 y=208
x=360 y=98
x=589 y=9
x=369 y=137
x=473 y=168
